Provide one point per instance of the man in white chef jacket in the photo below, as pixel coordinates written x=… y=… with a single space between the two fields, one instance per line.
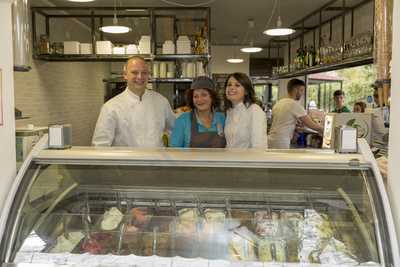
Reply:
x=137 y=117
x=285 y=114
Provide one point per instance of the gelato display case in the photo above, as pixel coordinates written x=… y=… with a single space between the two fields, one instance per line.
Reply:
x=169 y=207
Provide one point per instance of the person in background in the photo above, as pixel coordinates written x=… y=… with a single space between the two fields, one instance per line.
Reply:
x=137 y=117
x=339 y=99
x=379 y=132
x=359 y=107
x=202 y=126
x=285 y=114
x=246 y=123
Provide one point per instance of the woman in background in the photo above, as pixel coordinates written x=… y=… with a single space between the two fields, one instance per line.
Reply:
x=359 y=107
x=246 y=122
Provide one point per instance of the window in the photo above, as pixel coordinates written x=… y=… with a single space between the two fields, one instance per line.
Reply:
x=355 y=82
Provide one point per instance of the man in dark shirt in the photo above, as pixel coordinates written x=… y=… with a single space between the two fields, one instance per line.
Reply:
x=338 y=98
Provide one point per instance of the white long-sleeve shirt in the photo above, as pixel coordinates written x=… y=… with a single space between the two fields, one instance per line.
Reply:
x=128 y=120
x=246 y=127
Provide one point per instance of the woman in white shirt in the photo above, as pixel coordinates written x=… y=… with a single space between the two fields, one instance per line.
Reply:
x=246 y=122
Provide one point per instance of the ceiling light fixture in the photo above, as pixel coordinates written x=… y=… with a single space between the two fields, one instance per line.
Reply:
x=115 y=28
x=251 y=48
x=234 y=59
x=279 y=30
x=81 y=1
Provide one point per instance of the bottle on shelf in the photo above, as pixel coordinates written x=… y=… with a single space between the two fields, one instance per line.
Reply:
x=44 y=45
x=301 y=57
x=197 y=43
x=201 y=42
x=297 y=59
x=205 y=37
x=317 y=57
x=306 y=57
x=311 y=56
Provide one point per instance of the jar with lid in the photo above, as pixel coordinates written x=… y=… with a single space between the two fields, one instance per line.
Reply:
x=58 y=48
x=44 y=45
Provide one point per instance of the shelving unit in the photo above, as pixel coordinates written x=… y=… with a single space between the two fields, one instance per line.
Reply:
x=157 y=80
x=348 y=63
x=313 y=23
x=109 y=58
x=94 y=17
x=160 y=23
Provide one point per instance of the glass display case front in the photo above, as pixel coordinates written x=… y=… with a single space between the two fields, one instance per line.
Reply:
x=117 y=215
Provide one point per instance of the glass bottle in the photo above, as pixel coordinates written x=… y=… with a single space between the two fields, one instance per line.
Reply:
x=306 y=54
x=44 y=45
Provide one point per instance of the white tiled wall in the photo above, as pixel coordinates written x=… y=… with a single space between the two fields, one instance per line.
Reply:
x=62 y=92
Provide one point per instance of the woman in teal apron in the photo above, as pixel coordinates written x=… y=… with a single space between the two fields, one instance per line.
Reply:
x=202 y=127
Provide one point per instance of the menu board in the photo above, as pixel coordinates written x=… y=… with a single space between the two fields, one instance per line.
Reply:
x=1 y=99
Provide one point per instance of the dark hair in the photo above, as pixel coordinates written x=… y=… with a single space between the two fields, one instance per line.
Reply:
x=361 y=104
x=338 y=93
x=249 y=93
x=293 y=83
x=213 y=94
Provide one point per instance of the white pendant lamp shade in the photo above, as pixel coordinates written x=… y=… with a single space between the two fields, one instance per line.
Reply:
x=251 y=48
x=115 y=28
x=279 y=31
x=81 y=1
x=234 y=60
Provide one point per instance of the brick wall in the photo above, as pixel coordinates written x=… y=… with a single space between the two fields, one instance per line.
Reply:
x=62 y=92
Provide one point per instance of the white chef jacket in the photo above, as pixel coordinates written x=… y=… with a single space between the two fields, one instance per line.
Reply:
x=246 y=127
x=128 y=120
x=285 y=114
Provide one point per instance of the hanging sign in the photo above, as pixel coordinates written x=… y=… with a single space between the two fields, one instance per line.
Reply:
x=1 y=100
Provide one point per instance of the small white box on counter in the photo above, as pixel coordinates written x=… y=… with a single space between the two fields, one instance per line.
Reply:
x=104 y=48
x=86 y=48
x=71 y=48
x=60 y=136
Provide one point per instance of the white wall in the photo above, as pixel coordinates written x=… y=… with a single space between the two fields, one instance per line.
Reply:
x=7 y=130
x=62 y=92
x=394 y=144
x=219 y=55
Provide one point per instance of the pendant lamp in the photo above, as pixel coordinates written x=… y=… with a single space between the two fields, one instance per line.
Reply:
x=81 y=1
x=234 y=59
x=115 y=28
x=279 y=30
x=250 y=48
